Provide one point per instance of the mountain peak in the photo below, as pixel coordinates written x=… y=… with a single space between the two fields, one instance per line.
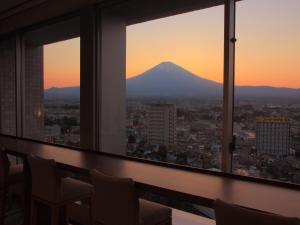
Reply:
x=167 y=67
x=168 y=64
x=169 y=79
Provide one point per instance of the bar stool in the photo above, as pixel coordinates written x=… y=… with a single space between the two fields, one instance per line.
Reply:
x=115 y=202
x=50 y=189
x=228 y=214
x=10 y=175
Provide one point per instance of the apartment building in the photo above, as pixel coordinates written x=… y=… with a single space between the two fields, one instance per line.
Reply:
x=162 y=124
x=273 y=136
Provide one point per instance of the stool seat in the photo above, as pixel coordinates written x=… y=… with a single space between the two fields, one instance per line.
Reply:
x=11 y=180
x=74 y=190
x=15 y=174
x=228 y=214
x=49 y=188
x=115 y=202
x=153 y=213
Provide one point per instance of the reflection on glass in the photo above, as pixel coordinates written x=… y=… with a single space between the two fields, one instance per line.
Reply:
x=52 y=92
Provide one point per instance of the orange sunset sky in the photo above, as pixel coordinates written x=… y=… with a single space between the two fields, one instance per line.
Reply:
x=267 y=50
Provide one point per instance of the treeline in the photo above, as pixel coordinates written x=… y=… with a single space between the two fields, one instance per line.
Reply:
x=62 y=122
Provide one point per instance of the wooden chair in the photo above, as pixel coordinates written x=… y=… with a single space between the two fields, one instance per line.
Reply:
x=115 y=202
x=10 y=175
x=228 y=214
x=50 y=189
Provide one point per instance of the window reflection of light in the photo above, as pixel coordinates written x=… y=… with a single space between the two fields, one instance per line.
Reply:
x=39 y=113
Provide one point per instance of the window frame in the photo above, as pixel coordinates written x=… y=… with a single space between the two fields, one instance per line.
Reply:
x=89 y=16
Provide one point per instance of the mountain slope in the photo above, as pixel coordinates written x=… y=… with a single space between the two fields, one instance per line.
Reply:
x=65 y=93
x=266 y=92
x=170 y=80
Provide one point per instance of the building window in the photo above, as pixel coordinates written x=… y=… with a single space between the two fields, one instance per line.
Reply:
x=267 y=94
x=52 y=84
x=174 y=87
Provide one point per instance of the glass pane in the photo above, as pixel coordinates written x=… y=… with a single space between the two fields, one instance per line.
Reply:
x=62 y=92
x=8 y=87
x=174 y=88
x=267 y=106
x=52 y=86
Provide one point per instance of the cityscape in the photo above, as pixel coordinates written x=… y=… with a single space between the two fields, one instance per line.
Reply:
x=149 y=112
x=199 y=131
x=62 y=123
x=187 y=130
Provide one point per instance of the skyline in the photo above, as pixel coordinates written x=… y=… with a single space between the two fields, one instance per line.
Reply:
x=267 y=59
x=178 y=66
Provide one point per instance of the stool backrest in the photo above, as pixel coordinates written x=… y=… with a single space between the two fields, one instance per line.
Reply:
x=114 y=200
x=44 y=179
x=228 y=214
x=4 y=168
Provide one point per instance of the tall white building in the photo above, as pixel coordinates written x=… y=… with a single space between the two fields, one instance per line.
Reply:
x=161 y=120
x=273 y=136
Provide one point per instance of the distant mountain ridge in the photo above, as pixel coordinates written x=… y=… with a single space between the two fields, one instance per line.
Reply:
x=170 y=80
x=64 y=93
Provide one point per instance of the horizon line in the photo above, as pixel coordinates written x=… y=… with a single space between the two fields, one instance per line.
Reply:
x=266 y=86
x=194 y=74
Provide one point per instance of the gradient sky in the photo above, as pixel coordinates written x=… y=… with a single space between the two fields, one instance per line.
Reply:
x=62 y=64
x=267 y=51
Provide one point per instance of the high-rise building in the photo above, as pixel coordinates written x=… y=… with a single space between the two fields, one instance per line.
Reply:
x=161 y=124
x=273 y=136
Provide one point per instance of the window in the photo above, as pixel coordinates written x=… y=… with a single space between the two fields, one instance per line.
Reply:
x=267 y=99
x=52 y=84
x=62 y=92
x=169 y=106
x=174 y=88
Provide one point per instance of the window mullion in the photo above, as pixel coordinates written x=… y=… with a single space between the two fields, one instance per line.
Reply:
x=228 y=91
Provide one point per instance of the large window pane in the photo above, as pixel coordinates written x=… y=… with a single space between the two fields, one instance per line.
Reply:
x=8 y=87
x=52 y=84
x=267 y=106
x=174 y=88
x=62 y=92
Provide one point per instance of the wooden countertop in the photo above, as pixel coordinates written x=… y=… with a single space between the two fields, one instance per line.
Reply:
x=193 y=186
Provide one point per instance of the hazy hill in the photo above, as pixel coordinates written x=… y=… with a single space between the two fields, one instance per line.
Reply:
x=170 y=80
x=65 y=93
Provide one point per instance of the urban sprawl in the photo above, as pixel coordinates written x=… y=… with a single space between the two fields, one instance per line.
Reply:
x=189 y=132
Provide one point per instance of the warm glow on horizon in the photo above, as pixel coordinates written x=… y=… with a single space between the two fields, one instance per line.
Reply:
x=62 y=64
x=176 y=39
x=268 y=46
x=267 y=50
